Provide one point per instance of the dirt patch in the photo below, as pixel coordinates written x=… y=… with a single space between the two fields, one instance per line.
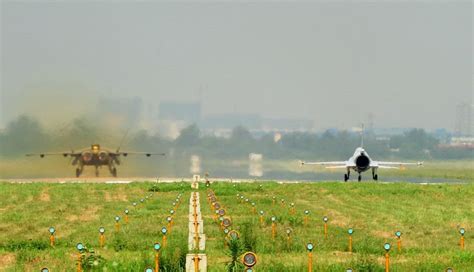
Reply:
x=87 y=215
x=120 y=195
x=44 y=196
x=383 y=234
x=7 y=260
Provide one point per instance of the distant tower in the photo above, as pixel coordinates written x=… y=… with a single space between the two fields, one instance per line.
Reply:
x=463 y=125
x=370 y=121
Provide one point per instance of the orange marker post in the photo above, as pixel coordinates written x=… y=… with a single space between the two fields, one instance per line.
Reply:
x=387 y=247
x=274 y=199
x=309 y=247
x=398 y=234
x=126 y=216
x=80 y=248
x=157 y=248
x=462 y=231
x=101 y=236
x=52 y=230
x=306 y=213
x=288 y=238
x=79 y=265
x=273 y=228
x=261 y=219
x=325 y=219
x=117 y=224
x=157 y=262
x=164 y=231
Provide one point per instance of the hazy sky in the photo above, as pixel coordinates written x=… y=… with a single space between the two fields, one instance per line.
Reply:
x=409 y=63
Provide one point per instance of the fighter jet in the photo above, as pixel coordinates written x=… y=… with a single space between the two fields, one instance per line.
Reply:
x=97 y=157
x=361 y=162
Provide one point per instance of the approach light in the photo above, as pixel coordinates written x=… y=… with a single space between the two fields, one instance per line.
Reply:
x=164 y=230
x=52 y=230
x=117 y=218
x=80 y=246
x=350 y=231
x=157 y=246
x=249 y=259
x=102 y=230
x=462 y=231
x=325 y=219
x=398 y=233
x=309 y=247
x=226 y=222
x=387 y=247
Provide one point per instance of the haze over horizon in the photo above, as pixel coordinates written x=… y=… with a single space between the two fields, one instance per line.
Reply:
x=409 y=63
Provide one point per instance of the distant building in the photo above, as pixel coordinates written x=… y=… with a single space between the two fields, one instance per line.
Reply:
x=464 y=125
x=174 y=116
x=221 y=125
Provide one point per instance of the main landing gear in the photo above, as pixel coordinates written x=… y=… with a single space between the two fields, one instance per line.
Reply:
x=347 y=176
x=113 y=170
x=374 y=175
x=79 y=171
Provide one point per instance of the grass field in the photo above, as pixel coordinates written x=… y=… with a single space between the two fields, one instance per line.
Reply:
x=429 y=217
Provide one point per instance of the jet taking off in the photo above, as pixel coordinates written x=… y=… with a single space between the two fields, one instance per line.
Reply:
x=361 y=162
x=97 y=157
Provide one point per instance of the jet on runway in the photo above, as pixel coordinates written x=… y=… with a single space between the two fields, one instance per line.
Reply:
x=361 y=162
x=97 y=157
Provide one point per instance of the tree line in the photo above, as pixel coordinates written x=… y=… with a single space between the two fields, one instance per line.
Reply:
x=27 y=135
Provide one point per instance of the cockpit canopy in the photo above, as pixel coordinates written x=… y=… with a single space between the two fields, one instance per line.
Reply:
x=95 y=147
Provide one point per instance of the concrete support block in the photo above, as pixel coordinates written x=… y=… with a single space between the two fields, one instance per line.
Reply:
x=200 y=226
x=192 y=241
x=190 y=259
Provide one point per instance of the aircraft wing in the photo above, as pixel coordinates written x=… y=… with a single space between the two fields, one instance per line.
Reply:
x=387 y=167
x=148 y=154
x=329 y=164
x=65 y=154
x=336 y=167
x=380 y=164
